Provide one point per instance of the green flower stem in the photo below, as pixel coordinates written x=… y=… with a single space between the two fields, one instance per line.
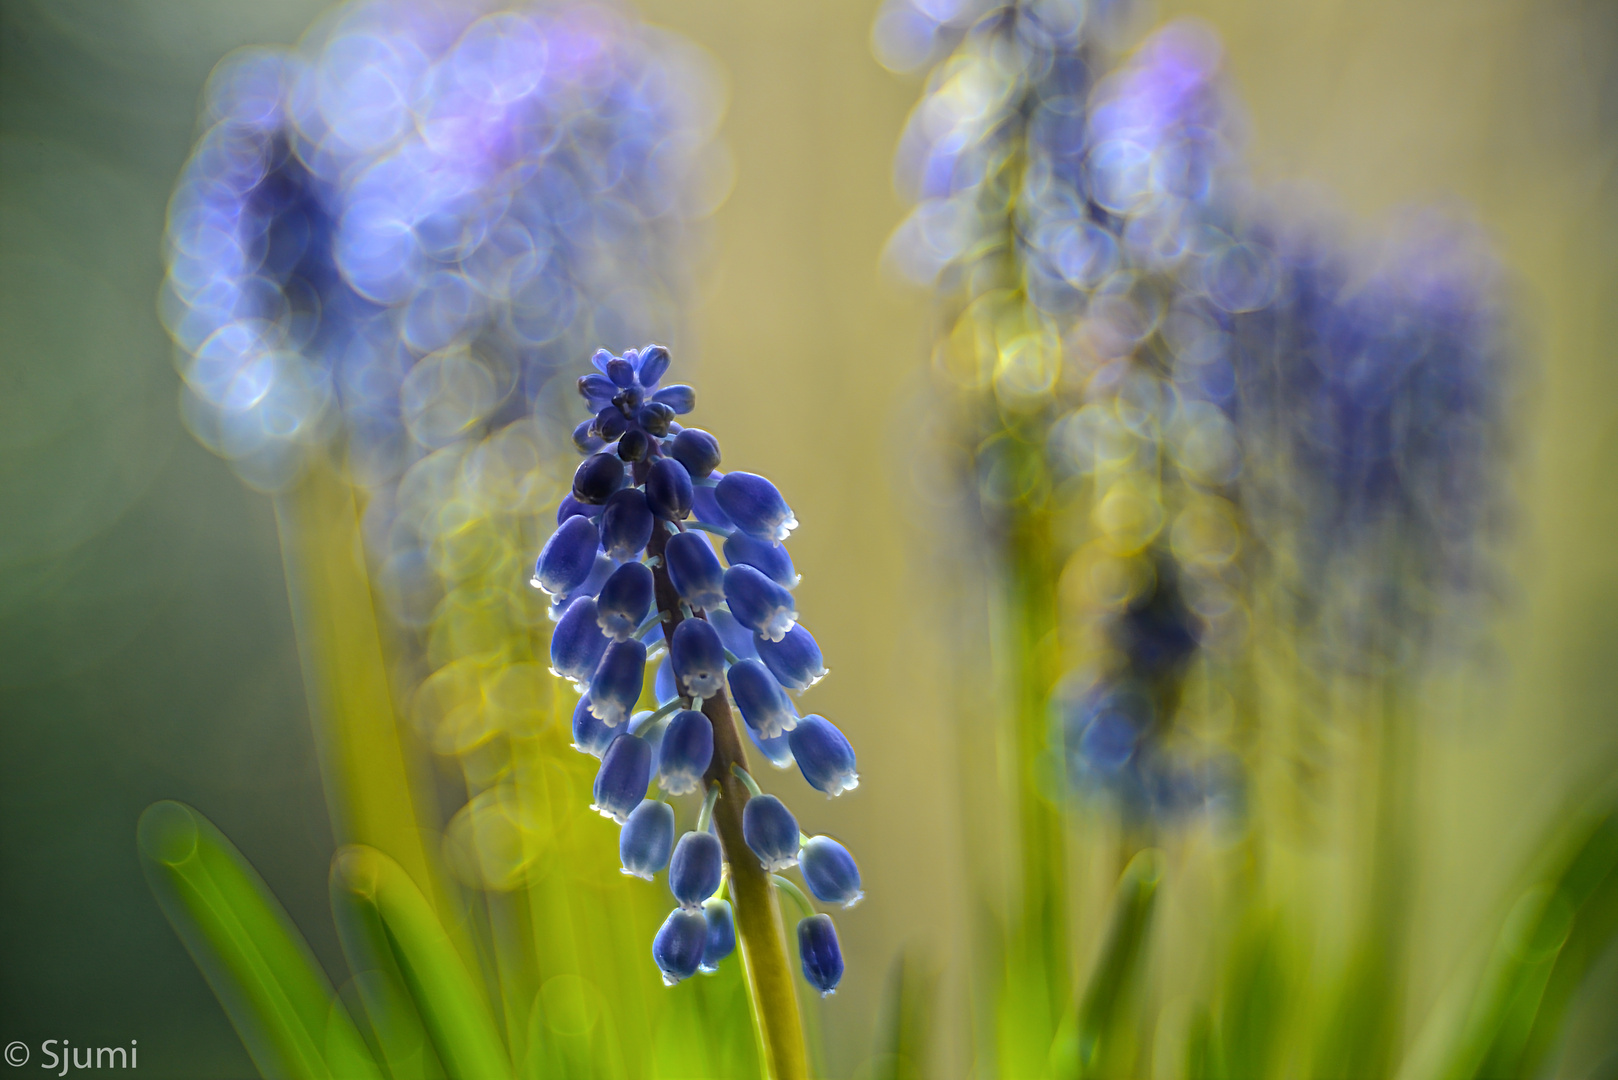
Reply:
x=770 y=988
x=258 y=965
x=796 y=893
x=384 y=917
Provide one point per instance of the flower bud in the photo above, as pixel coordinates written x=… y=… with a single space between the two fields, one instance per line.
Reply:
x=795 y=660
x=621 y=372
x=759 y=603
x=698 y=658
x=694 y=570
x=626 y=524
x=590 y=736
x=696 y=868
x=755 y=506
x=577 y=643
x=678 y=947
x=610 y=424
x=654 y=361
x=721 y=933
x=682 y=399
x=685 y=752
x=771 y=560
x=668 y=490
x=586 y=439
x=732 y=634
x=616 y=685
x=824 y=755
x=597 y=478
x=655 y=417
x=625 y=600
x=822 y=956
x=829 y=871
x=697 y=450
x=567 y=557
x=597 y=391
x=771 y=832
x=626 y=770
x=647 y=838
x=763 y=703
x=633 y=446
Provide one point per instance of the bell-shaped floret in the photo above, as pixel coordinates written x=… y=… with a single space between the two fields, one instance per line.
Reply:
x=777 y=751
x=682 y=399
x=706 y=507
x=577 y=643
x=735 y=637
x=824 y=755
x=694 y=570
x=697 y=450
x=567 y=557
x=829 y=871
x=668 y=490
x=763 y=703
x=771 y=560
x=771 y=832
x=626 y=770
x=626 y=524
x=696 y=868
x=822 y=956
x=590 y=736
x=654 y=361
x=597 y=478
x=625 y=600
x=616 y=685
x=759 y=603
x=664 y=686
x=755 y=506
x=698 y=658
x=721 y=933
x=677 y=949
x=685 y=752
x=598 y=577
x=647 y=838
x=795 y=660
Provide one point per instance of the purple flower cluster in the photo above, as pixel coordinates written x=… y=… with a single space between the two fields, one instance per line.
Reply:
x=648 y=482
x=390 y=237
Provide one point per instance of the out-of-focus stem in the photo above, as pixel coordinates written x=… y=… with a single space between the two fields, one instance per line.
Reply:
x=370 y=795
x=770 y=989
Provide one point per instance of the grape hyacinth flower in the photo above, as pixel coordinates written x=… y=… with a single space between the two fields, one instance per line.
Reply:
x=830 y=872
x=821 y=954
x=567 y=558
x=725 y=626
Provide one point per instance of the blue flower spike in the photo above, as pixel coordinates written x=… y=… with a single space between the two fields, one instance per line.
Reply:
x=685 y=752
x=698 y=657
x=577 y=643
x=626 y=598
x=626 y=524
x=694 y=570
x=771 y=560
x=755 y=506
x=668 y=489
x=590 y=736
x=567 y=557
x=771 y=832
x=696 y=868
x=795 y=660
x=621 y=782
x=830 y=872
x=647 y=839
x=616 y=685
x=820 y=953
x=679 y=945
x=763 y=703
x=721 y=934
x=824 y=755
x=758 y=603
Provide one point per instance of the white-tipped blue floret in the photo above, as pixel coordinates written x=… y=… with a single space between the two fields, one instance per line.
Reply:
x=616 y=685
x=821 y=953
x=626 y=770
x=830 y=872
x=577 y=643
x=755 y=506
x=685 y=752
x=625 y=599
x=764 y=705
x=694 y=570
x=696 y=868
x=590 y=736
x=567 y=557
x=677 y=949
x=795 y=660
x=698 y=657
x=758 y=603
x=647 y=839
x=721 y=933
x=824 y=755
x=771 y=832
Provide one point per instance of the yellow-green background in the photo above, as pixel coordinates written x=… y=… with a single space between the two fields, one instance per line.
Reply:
x=145 y=646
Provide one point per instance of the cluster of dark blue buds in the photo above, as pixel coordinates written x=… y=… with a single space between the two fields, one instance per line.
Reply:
x=649 y=494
